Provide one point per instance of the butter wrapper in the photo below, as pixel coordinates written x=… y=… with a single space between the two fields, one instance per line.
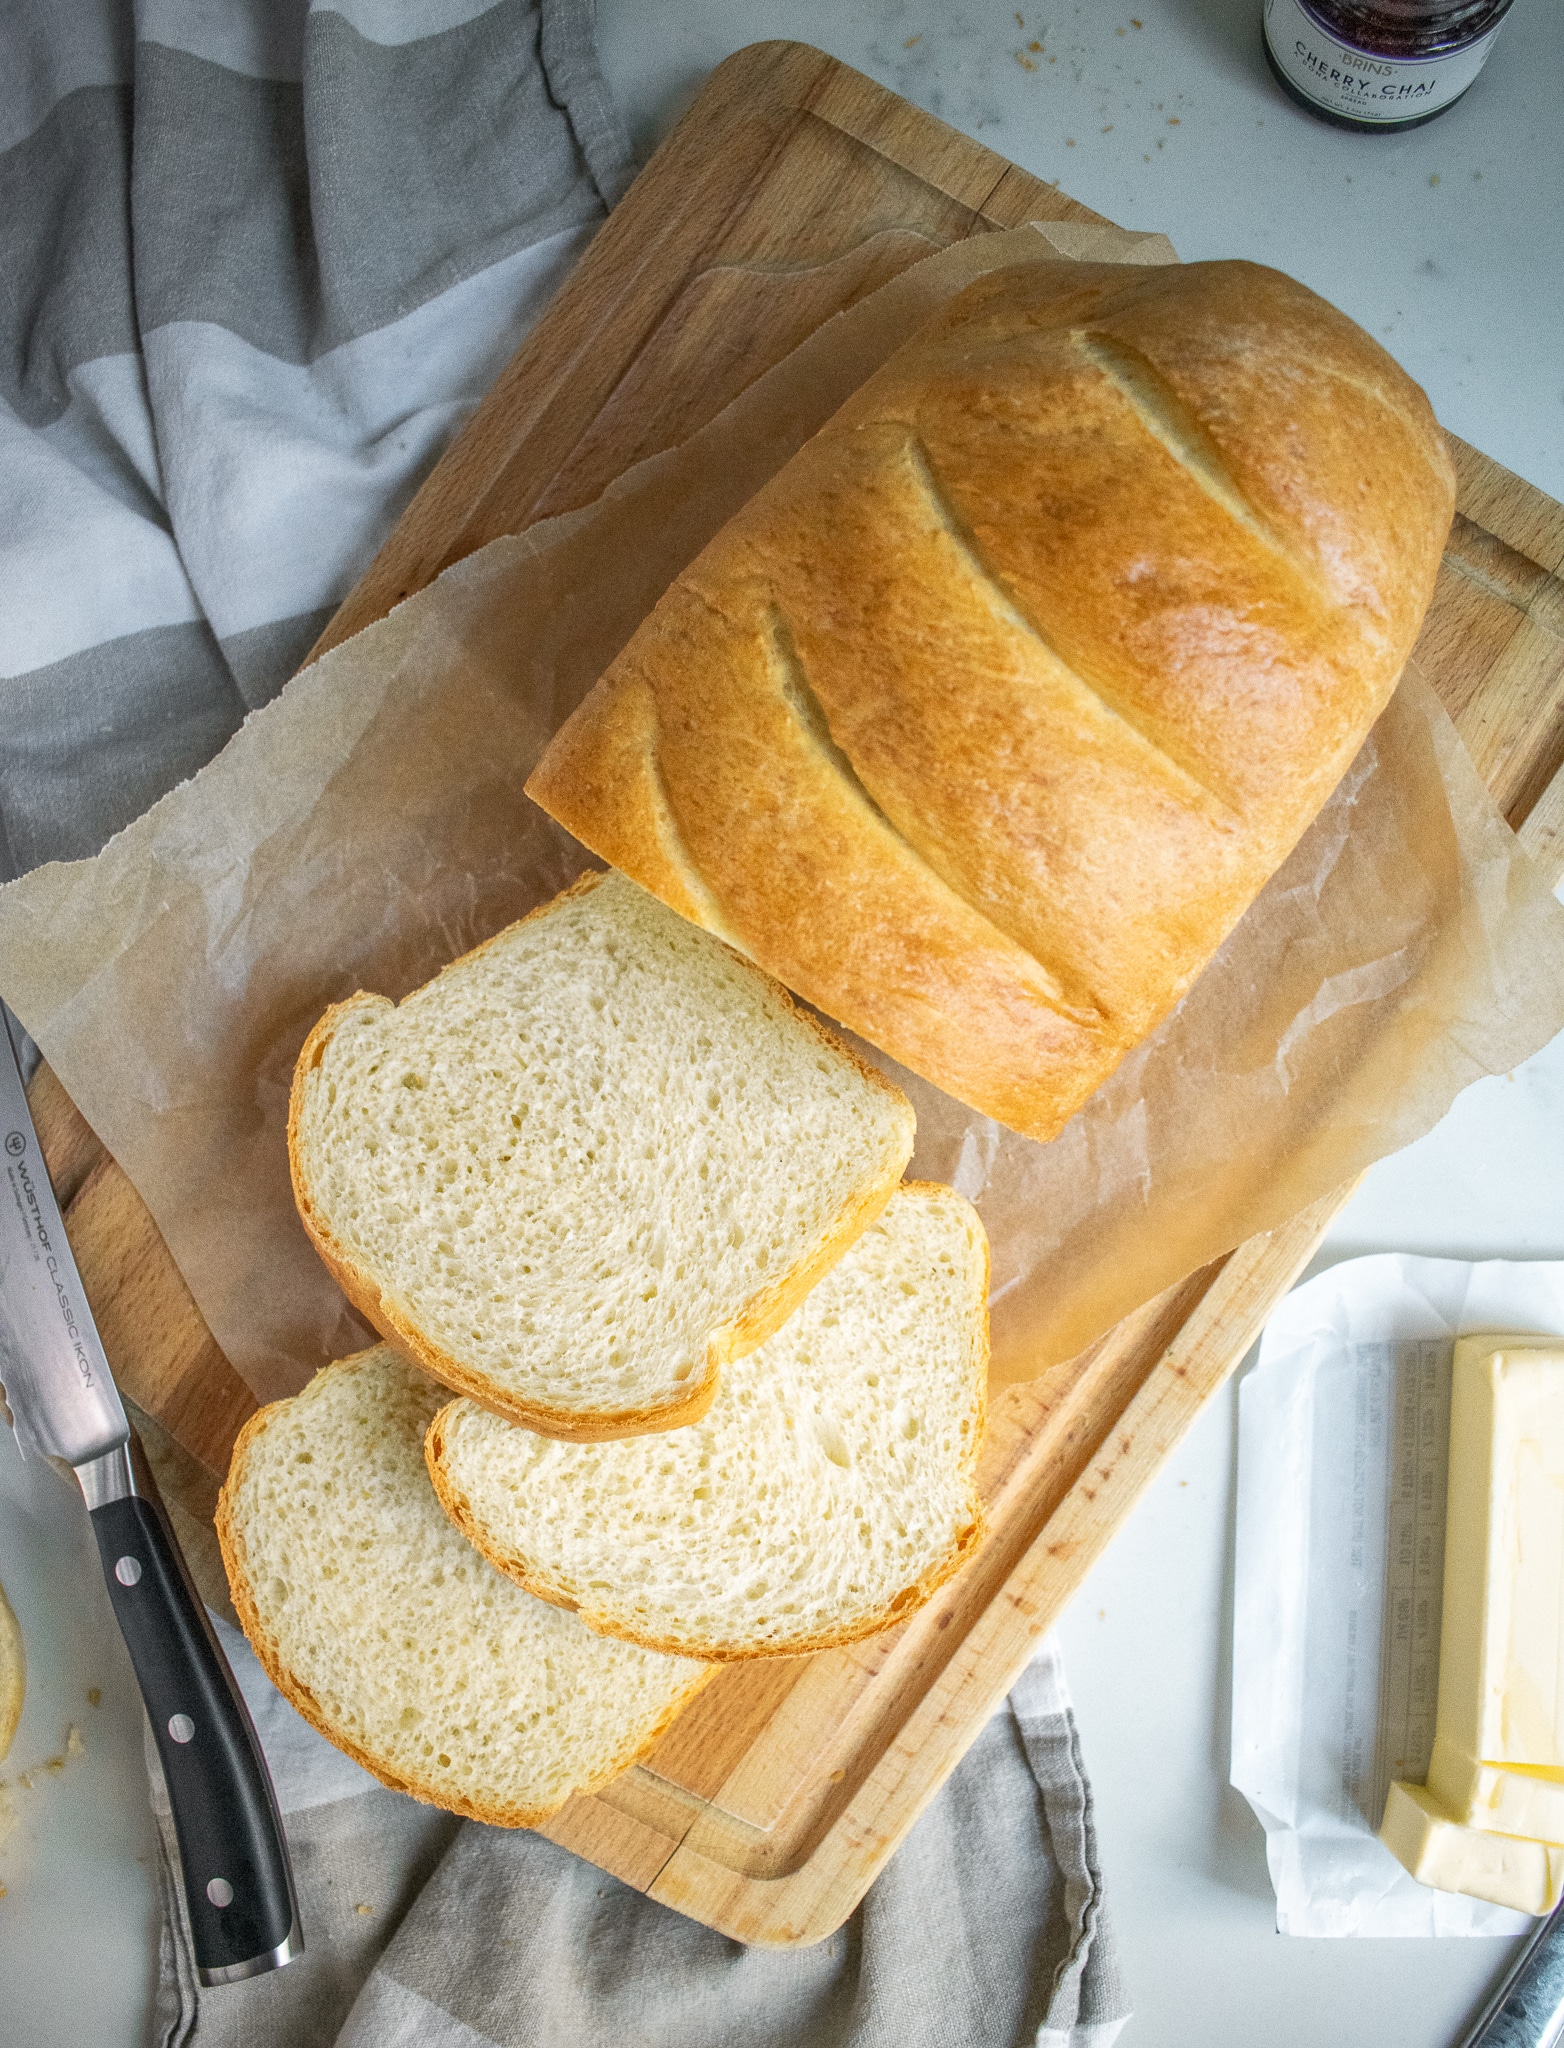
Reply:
x=1343 y=1448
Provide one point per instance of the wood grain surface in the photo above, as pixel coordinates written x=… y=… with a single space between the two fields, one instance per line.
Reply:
x=792 y=188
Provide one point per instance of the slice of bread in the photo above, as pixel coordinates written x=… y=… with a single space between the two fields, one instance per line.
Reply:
x=394 y=1638
x=588 y=1163
x=828 y=1491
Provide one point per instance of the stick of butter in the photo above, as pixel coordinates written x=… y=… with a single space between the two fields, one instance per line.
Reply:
x=1501 y=1685
x=1490 y=1821
x=1440 y=1852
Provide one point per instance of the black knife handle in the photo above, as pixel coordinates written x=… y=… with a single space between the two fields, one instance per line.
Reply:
x=237 y=1878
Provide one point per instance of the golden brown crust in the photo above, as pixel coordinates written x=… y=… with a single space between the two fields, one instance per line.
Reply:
x=304 y=1702
x=765 y=1312
x=907 y=1601
x=984 y=722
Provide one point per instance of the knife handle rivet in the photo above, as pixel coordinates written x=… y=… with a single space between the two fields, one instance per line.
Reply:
x=220 y=1892
x=181 y=1727
x=128 y=1570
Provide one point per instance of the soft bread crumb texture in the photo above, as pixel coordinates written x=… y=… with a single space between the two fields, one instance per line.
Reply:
x=394 y=1637
x=826 y=1493
x=590 y=1160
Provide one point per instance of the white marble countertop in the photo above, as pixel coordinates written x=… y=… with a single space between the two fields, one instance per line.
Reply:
x=1444 y=243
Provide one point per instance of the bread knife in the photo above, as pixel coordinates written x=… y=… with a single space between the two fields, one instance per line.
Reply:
x=1527 y=2009
x=63 y=1404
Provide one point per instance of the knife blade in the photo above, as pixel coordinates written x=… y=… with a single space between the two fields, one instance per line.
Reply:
x=1527 y=2009
x=63 y=1403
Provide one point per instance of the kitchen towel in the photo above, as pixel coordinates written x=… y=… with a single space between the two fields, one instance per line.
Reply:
x=260 y=262
x=986 y=1929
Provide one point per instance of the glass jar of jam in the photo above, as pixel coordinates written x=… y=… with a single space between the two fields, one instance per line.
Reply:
x=1380 y=65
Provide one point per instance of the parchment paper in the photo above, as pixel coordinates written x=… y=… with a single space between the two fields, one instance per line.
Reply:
x=1343 y=1449
x=369 y=824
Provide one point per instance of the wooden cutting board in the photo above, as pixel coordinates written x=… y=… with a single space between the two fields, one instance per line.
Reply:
x=772 y=1802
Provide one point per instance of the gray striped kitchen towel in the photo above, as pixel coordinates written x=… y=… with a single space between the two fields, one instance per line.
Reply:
x=258 y=260
x=985 y=1930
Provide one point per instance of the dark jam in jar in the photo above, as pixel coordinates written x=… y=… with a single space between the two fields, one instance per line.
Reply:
x=1379 y=64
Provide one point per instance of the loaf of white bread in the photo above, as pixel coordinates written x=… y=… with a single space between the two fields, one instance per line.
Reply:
x=982 y=724
x=826 y=1493
x=393 y=1637
x=588 y=1163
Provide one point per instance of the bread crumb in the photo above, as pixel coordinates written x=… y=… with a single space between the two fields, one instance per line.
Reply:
x=366 y=1911
x=1034 y=46
x=1433 y=178
x=52 y=1766
x=837 y=1777
x=1172 y=120
x=1024 y=61
x=918 y=38
x=94 y=1696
